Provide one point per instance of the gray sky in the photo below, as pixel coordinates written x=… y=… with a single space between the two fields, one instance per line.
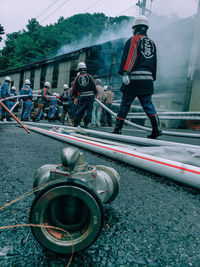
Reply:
x=14 y=15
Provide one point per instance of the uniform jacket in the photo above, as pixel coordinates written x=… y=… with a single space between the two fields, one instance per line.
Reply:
x=44 y=93
x=65 y=98
x=139 y=60
x=139 y=54
x=5 y=90
x=54 y=101
x=26 y=90
x=84 y=86
x=12 y=94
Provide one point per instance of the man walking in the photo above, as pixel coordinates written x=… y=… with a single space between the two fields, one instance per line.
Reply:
x=83 y=86
x=138 y=70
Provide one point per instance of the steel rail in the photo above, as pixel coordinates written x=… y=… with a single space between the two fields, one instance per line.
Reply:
x=191 y=135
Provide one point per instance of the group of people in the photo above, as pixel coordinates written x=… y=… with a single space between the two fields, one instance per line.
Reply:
x=138 y=69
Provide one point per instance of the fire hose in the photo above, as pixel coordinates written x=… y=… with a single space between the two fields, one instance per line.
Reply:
x=146 y=128
x=72 y=201
x=2 y=104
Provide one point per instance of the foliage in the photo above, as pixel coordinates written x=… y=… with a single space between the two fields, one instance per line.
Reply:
x=38 y=42
x=1 y=32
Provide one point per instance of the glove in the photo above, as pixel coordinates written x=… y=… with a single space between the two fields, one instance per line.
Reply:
x=125 y=78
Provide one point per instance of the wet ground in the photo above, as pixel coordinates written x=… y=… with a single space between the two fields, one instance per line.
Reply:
x=153 y=221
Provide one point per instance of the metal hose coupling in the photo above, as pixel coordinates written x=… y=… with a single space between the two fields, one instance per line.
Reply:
x=71 y=198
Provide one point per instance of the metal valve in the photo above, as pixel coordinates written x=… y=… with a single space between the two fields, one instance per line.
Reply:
x=71 y=198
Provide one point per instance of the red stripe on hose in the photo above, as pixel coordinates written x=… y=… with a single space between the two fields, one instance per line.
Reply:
x=123 y=152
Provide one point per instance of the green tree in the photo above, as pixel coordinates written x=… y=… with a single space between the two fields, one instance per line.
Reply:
x=33 y=25
x=1 y=32
x=40 y=42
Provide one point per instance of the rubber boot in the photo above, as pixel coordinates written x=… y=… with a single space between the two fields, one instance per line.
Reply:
x=155 y=123
x=118 y=127
x=76 y=122
x=86 y=122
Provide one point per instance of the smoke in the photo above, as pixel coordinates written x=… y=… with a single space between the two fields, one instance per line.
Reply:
x=173 y=38
x=123 y=30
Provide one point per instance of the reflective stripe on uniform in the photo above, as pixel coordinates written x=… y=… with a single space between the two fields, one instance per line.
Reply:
x=88 y=93
x=141 y=75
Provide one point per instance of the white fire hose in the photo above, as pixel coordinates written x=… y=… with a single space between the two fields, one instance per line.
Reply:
x=148 y=129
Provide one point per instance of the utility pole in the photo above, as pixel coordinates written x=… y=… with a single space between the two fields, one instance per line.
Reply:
x=193 y=58
x=142 y=5
x=195 y=45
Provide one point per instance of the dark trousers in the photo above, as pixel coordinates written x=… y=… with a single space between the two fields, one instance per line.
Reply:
x=84 y=109
x=127 y=100
x=106 y=117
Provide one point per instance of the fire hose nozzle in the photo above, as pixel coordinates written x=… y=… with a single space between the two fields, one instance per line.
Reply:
x=71 y=198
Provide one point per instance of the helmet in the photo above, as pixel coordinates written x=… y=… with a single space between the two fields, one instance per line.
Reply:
x=65 y=86
x=47 y=84
x=54 y=94
x=13 y=88
x=98 y=81
x=81 y=65
x=7 y=78
x=141 y=20
x=27 y=81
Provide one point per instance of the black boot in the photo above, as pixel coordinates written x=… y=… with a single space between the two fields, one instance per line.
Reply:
x=86 y=122
x=155 y=123
x=76 y=122
x=118 y=127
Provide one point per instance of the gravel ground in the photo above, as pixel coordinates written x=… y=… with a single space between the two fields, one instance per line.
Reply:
x=153 y=221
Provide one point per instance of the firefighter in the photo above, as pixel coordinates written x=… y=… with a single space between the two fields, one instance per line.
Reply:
x=83 y=86
x=53 y=107
x=5 y=93
x=42 y=101
x=138 y=70
x=65 y=105
x=27 y=100
x=12 y=93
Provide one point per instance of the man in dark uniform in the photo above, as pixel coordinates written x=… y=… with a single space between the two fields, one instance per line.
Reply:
x=84 y=87
x=138 y=67
x=65 y=98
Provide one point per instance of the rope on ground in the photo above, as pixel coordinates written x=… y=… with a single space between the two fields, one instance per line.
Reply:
x=43 y=226
x=28 y=193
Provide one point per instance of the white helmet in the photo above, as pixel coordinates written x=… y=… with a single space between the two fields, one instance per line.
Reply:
x=81 y=65
x=27 y=81
x=47 y=84
x=98 y=81
x=54 y=94
x=141 y=20
x=7 y=79
x=13 y=88
x=65 y=86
